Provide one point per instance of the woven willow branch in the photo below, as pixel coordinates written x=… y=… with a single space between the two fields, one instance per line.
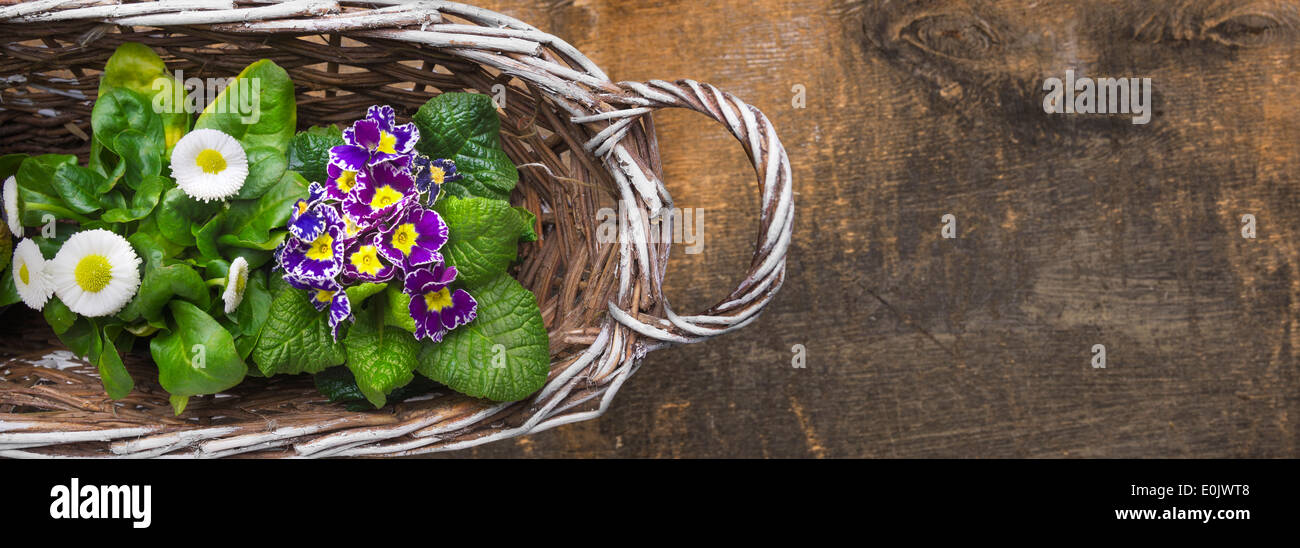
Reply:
x=601 y=128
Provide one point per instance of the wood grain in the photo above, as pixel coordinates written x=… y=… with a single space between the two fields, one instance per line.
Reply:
x=1073 y=232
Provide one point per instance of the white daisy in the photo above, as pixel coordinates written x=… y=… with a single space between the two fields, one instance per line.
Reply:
x=31 y=275
x=10 y=193
x=236 y=281
x=209 y=165
x=95 y=273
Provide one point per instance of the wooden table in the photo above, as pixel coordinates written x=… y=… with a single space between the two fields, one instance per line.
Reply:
x=1072 y=231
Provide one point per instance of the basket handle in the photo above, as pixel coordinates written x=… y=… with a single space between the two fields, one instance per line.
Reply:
x=756 y=134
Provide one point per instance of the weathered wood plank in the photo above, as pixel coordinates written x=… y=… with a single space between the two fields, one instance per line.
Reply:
x=1073 y=232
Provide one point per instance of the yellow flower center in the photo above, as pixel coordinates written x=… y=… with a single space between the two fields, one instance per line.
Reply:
x=93 y=273
x=240 y=283
x=22 y=274
x=404 y=238
x=387 y=143
x=322 y=248
x=438 y=174
x=384 y=197
x=366 y=259
x=302 y=206
x=324 y=296
x=346 y=181
x=211 y=161
x=438 y=300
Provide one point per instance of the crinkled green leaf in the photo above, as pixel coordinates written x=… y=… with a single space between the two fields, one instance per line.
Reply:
x=263 y=122
x=469 y=359
x=397 y=308
x=196 y=355
x=484 y=237
x=339 y=385
x=530 y=223
x=465 y=128
x=296 y=338
x=309 y=152
x=382 y=358
x=358 y=294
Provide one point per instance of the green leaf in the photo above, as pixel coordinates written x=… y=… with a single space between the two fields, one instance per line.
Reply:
x=380 y=357
x=530 y=221
x=339 y=385
x=468 y=359
x=257 y=108
x=397 y=311
x=484 y=237
x=8 y=291
x=38 y=191
x=141 y=156
x=112 y=372
x=266 y=166
x=136 y=67
x=142 y=201
x=178 y=211
x=121 y=112
x=358 y=294
x=78 y=186
x=309 y=152
x=58 y=315
x=252 y=313
x=205 y=237
x=6 y=248
x=196 y=356
x=296 y=338
x=9 y=164
x=249 y=223
x=464 y=127
x=161 y=283
x=82 y=338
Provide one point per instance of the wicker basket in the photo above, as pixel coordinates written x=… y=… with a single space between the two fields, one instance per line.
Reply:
x=582 y=142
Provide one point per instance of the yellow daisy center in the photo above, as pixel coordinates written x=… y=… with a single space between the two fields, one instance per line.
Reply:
x=93 y=273
x=210 y=161
x=322 y=248
x=387 y=143
x=438 y=174
x=438 y=300
x=324 y=296
x=384 y=197
x=366 y=260
x=346 y=181
x=404 y=238
x=22 y=274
